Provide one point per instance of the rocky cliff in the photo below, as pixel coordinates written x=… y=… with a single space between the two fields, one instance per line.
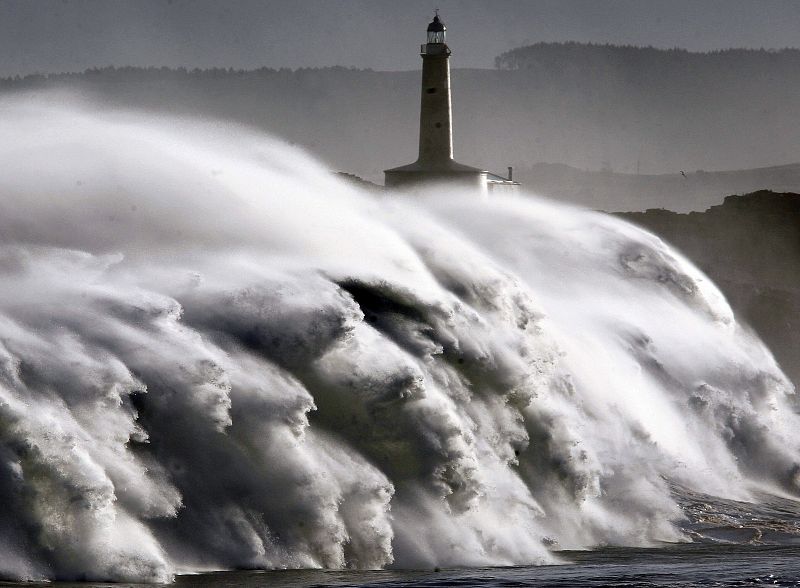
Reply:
x=750 y=246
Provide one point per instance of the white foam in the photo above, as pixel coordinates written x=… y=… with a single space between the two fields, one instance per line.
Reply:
x=214 y=354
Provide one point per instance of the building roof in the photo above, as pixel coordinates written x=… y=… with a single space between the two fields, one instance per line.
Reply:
x=436 y=26
x=447 y=167
x=490 y=177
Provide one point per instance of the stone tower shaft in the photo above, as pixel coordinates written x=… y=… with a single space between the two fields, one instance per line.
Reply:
x=435 y=115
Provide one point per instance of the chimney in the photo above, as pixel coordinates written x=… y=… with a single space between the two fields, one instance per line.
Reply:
x=510 y=174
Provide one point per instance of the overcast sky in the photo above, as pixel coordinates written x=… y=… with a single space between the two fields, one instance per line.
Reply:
x=72 y=35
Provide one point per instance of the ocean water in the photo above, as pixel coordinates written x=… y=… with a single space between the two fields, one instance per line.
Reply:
x=683 y=565
x=215 y=355
x=676 y=565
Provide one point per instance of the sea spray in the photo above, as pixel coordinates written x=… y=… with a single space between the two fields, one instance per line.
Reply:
x=214 y=354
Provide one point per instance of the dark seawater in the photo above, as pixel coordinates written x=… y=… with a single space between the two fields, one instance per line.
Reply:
x=675 y=565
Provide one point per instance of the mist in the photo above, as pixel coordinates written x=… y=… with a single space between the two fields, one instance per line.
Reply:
x=626 y=114
x=216 y=355
x=644 y=92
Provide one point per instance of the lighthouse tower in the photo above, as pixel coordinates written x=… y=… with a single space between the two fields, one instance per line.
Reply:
x=435 y=162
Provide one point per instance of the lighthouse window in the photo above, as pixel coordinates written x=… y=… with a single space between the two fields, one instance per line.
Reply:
x=435 y=36
x=431 y=90
x=438 y=125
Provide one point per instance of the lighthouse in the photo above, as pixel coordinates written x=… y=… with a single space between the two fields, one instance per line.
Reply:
x=436 y=112
x=435 y=163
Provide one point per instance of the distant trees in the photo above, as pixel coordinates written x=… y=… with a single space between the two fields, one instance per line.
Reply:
x=607 y=56
x=139 y=73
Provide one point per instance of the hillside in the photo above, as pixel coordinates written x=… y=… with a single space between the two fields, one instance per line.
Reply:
x=586 y=106
x=750 y=246
x=610 y=191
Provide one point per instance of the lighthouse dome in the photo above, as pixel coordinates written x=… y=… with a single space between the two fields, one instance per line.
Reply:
x=436 y=26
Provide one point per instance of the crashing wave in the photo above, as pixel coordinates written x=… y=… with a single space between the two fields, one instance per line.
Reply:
x=213 y=354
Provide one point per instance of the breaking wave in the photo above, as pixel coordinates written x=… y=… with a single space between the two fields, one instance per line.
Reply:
x=214 y=354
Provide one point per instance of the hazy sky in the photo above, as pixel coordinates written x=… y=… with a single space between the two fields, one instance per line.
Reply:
x=71 y=35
